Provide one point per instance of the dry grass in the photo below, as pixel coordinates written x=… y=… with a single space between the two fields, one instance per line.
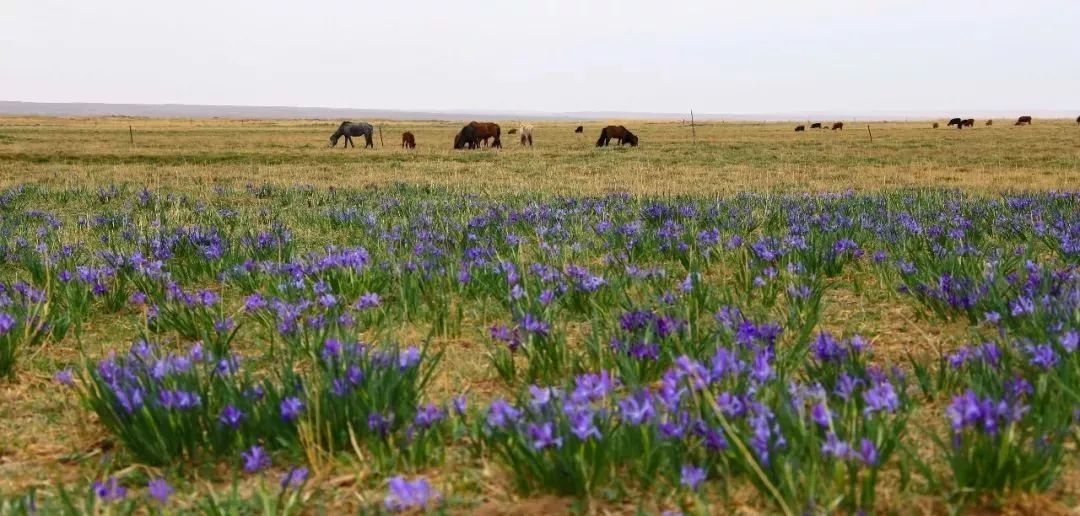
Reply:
x=45 y=439
x=728 y=157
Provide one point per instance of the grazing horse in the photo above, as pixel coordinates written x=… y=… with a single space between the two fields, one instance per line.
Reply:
x=526 y=134
x=617 y=132
x=349 y=129
x=408 y=141
x=800 y=128
x=580 y=129
x=989 y=123
x=474 y=133
x=935 y=125
x=1024 y=120
x=815 y=125
x=838 y=125
x=970 y=122
x=958 y=122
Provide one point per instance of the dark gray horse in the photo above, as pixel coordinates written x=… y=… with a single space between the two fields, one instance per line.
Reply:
x=349 y=129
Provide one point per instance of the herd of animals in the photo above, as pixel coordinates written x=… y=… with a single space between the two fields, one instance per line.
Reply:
x=476 y=135
x=960 y=123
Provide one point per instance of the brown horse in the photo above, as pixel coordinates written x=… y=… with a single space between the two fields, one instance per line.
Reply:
x=471 y=136
x=617 y=132
x=580 y=129
x=1024 y=120
x=838 y=125
x=815 y=125
x=935 y=126
x=970 y=122
x=408 y=141
x=800 y=128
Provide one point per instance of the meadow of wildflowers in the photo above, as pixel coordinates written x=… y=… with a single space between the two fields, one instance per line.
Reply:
x=279 y=350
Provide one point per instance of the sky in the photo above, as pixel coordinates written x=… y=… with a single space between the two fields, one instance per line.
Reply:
x=554 y=56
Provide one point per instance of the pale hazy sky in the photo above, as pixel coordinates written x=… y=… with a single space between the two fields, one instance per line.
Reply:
x=763 y=56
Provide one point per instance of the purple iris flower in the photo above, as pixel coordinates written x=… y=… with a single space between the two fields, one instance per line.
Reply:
x=255 y=459
x=231 y=417
x=637 y=408
x=881 y=397
x=820 y=414
x=110 y=490
x=368 y=300
x=835 y=447
x=541 y=396
x=543 y=436
x=868 y=452
x=291 y=408
x=65 y=377
x=691 y=476
x=294 y=478
x=460 y=404
x=501 y=414
x=581 y=425
x=533 y=325
x=159 y=490
x=404 y=495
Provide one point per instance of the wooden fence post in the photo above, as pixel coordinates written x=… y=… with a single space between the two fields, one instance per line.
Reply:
x=693 y=130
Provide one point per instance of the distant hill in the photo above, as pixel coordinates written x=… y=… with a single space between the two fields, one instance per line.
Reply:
x=287 y=112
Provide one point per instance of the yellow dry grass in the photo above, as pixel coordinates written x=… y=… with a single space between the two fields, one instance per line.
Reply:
x=728 y=157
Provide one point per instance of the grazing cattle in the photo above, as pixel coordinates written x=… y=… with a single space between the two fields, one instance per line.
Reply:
x=989 y=123
x=408 y=141
x=815 y=125
x=800 y=128
x=957 y=122
x=1078 y=120
x=526 y=134
x=838 y=125
x=580 y=129
x=970 y=122
x=617 y=132
x=349 y=129
x=1024 y=120
x=935 y=125
x=512 y=131
x=471 y=136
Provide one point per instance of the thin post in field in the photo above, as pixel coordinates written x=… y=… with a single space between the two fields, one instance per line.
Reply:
x=693 y=130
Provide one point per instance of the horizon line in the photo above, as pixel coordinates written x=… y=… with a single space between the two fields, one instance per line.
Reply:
x=101 y=109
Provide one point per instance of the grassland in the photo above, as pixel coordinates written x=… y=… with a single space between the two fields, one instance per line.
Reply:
x=47 y=438
x=728 y=157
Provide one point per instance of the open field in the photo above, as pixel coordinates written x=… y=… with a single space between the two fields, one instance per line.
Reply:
x=728 y=157
x=727 y=328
